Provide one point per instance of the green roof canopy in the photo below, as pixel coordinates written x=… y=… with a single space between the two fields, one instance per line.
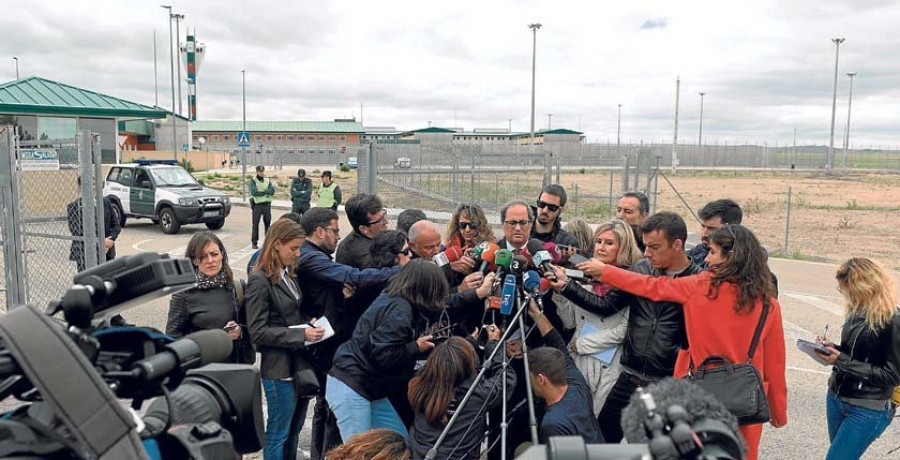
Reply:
x=433 y=129
x=35 y=95
x=280 y=126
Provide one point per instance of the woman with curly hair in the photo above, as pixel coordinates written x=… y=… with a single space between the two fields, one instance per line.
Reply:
x=468 y=227
x=377 y=444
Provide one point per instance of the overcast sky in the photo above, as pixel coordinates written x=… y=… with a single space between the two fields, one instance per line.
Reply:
x=766 y=66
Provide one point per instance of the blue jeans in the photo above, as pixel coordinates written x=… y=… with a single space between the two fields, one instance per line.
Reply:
x=284 y=421
x=852 y=429
x=356 y=414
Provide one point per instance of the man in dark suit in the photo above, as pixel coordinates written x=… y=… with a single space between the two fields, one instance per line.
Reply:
x=111 y=228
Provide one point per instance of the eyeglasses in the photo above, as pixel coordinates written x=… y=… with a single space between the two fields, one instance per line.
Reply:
x=383 y=220
x=472 y=225
x=550 y=207
x=517 y=223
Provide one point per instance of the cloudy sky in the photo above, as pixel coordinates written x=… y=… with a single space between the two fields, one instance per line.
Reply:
x=766 y=66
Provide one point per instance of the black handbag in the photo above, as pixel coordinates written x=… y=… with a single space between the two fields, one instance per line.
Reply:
x=738 y=387
x=303 y=374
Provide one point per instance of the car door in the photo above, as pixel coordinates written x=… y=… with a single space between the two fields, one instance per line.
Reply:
x=142 y=193
x=120 y=185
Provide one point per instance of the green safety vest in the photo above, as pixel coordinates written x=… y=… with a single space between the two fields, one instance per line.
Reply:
x=326 y=196
x=262 y=187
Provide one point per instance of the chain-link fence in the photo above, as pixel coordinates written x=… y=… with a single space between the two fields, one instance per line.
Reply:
x=54 y=220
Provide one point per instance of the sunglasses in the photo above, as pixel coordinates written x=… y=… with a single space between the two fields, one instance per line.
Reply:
x=404 y=251
x=383 y=220
x=472 y=225
x=550 y=207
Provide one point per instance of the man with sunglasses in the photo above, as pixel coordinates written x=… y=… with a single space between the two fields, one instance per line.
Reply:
x=322 y=282
x=548 y=222
x=368 y=218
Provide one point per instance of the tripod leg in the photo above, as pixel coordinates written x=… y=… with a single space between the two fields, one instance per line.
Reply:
x=532 y=420
x=503 y=421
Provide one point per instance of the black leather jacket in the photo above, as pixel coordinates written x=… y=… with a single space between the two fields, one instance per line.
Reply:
x=655 y=330
x=869 y=364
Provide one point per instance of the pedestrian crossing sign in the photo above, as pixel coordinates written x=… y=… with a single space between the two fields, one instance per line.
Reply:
x=243 y=139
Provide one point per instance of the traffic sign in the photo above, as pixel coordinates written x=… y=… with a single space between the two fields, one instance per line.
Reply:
x=243 y=139
x=185 y=147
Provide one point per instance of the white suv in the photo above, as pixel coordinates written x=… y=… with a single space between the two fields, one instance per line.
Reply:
x=165 y=193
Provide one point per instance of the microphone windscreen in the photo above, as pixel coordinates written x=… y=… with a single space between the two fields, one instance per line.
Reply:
x=551 y=248
x=453 y=253
x=503 y=258
x=534 y=246
x=214 y=344
x=531 y=280
x=489 y=254
x=545 y=285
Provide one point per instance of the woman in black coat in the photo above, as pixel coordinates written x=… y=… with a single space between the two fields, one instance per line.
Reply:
x=216 y=303
x=273 y=307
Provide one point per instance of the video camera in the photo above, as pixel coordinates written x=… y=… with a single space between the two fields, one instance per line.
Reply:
x=74 y=374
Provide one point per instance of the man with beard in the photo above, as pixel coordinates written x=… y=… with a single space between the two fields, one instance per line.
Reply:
x=547 y=225
x=713 y=216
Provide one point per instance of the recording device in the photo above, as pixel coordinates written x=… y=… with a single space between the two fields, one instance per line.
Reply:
x=451 y=254
x=74 y=374
x=503 y=258
x=574 y=273
x=519 y=264
x=542 y=260
x=553 y=250
x=508 y=295
x=484 y=254
x=657 y=425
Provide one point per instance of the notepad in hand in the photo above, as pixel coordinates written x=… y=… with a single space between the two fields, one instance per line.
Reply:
x=321 y=322
x=810 y=349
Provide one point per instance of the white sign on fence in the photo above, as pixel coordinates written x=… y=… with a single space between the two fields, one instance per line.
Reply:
x=38 y=160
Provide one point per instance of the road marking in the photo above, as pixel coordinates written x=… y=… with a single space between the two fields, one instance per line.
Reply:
x=819 y=303
x=803 y=369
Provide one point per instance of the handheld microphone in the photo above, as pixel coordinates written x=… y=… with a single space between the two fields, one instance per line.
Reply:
x=192 y=351
x=451 y=254
x=518 y=265
x=542 y=261
x=533 y=246
x=487 y=257
x=551 y=248
x=503 y=258
x=531 y=281
x=508 y=295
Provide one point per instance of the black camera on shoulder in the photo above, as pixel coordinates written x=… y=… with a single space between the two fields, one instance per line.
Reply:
x=73 y=374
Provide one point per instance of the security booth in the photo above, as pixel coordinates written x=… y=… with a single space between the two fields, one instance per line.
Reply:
x=54 y=140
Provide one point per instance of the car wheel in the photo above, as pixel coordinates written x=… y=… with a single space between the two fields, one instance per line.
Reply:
x=215 y=224
x=122 y=218
x=168 y=221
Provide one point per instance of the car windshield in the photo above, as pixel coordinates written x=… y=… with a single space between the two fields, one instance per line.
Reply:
x=173 y=177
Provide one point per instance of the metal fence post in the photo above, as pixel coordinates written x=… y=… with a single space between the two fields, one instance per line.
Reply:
x=787 y=225
x=559 y=170
x=13 y=256
x=89 y=218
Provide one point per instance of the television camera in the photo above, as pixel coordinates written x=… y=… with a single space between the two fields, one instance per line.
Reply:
x=73 y=374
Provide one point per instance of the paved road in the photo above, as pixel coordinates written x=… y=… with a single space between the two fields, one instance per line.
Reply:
x=808 y=296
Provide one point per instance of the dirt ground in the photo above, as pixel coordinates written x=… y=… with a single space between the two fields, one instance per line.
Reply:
x=832 y=217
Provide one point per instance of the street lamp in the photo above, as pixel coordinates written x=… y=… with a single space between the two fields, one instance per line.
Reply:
x=202 y=140
x=700 y=138
x=244 y=129
x=829 y=162
x=17 y=66
x=846 y=156
x=534 y=28
x=619 y=132
x=172 y=72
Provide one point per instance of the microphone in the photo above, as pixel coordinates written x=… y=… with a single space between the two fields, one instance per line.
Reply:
x=551 y=248
x=503 y=258
x=533 y=246
x=531 y=281
x=487 y=257
x=192 y=351
x=451 y=254
x=518 y=265
x=542 y=261
x=508 y=295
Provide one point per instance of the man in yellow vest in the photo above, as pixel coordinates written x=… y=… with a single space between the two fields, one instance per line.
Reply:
x=261 y=194
x=329 y=193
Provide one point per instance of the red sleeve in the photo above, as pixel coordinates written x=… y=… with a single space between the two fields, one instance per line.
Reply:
x=773 y=348
x=655 y=288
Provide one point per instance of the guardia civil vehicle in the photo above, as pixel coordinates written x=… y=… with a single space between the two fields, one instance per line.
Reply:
x=166 y=193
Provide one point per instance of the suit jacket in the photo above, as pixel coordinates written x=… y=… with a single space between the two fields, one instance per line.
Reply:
x=271 y=308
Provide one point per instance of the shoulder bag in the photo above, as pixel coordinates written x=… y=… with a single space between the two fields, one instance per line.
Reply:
x=738 y=386
x=306 y=382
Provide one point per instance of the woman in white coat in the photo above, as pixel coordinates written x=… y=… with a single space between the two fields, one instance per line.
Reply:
x=595 y=347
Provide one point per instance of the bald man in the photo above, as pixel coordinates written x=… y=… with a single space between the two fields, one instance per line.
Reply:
x=425 y=239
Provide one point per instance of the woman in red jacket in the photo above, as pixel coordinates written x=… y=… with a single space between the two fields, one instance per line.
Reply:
x=721 y=309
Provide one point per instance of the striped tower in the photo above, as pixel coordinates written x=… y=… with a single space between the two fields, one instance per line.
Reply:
x=192 y=53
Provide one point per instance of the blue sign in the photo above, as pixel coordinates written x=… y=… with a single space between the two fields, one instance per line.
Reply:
x=243 y=139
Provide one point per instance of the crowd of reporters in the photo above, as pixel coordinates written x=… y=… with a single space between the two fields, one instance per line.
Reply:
x=413 y=319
